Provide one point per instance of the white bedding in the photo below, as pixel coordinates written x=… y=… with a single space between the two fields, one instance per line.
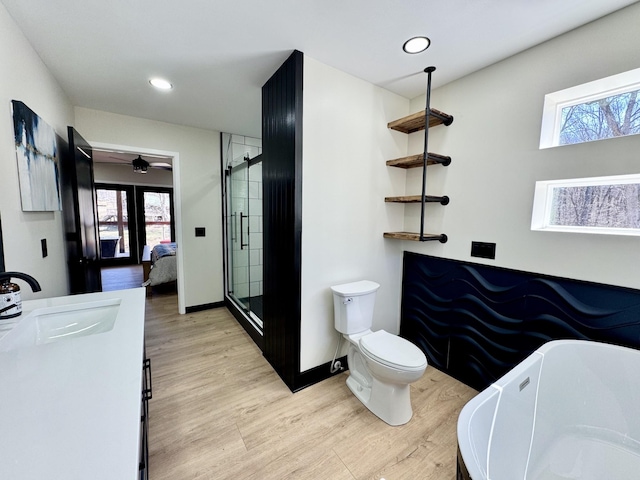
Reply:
x=163 y=265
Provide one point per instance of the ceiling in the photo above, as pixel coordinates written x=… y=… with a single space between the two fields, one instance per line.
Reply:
x=219 y=53
x=102 y=155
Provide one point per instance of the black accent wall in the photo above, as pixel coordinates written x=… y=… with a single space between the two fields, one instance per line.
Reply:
x=282 y=214
x=476 y=322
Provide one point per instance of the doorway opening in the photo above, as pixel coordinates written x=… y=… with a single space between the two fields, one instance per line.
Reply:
x=149 y=210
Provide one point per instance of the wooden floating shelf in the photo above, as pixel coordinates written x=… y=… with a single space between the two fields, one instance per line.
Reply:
x=416 y=121
x=414 y=161
x=418 y=199
x=415 y=237
x=410 y=124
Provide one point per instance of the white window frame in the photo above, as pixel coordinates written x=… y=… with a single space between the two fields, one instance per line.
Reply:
x=587 y=92
x=543 y=202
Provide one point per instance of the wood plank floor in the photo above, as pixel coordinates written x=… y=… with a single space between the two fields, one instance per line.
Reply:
x=220 y=412
x=121 y=277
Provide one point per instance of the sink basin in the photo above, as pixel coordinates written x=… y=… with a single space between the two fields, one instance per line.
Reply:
x=69 y=321
x=62 y=322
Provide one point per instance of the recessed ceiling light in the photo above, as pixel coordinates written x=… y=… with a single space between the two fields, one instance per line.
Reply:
x=416 y=44
x=161 y=84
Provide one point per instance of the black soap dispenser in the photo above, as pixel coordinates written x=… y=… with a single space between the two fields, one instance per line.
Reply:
x=10 y=300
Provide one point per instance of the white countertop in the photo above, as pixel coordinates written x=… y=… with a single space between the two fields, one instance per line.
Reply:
x=70 y=409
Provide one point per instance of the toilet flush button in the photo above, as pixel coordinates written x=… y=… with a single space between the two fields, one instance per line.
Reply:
x=347 y=300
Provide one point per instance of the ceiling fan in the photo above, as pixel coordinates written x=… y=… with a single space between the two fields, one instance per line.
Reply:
x=140 y=165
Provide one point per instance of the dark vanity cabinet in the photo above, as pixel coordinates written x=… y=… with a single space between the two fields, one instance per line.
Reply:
x=144 y=419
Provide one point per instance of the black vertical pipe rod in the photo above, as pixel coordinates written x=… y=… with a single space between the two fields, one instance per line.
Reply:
x=427 y=114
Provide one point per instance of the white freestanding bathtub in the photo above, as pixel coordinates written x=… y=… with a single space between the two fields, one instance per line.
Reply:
x=571 y=410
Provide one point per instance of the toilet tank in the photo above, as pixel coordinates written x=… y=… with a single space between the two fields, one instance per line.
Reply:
x=353 y=306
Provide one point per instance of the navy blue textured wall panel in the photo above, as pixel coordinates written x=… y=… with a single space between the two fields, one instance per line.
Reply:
x=476 y=322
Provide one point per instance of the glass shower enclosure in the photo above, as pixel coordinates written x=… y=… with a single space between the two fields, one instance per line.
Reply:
x=242 y=191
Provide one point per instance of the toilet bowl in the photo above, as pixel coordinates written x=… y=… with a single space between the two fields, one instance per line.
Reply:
x=381 y=365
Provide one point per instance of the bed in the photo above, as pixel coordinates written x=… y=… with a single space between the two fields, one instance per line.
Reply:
x=159 y=265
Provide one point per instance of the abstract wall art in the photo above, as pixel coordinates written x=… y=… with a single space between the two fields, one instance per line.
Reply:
x=37 y=155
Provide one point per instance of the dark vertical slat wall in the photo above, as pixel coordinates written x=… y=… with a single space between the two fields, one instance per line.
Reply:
x=282 y=212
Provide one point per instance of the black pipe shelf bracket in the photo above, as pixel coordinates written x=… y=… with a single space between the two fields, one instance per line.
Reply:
x=428 y=118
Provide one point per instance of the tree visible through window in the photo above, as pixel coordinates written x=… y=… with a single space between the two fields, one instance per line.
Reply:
x=601 y=205
x=612 y=206
x=613 y=116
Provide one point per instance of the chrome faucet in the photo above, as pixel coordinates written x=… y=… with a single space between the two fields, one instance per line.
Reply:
x=33 y=283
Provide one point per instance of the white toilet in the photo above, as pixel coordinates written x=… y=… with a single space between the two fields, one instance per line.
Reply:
x=381 y=365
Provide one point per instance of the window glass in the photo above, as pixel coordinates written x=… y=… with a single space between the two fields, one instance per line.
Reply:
x=604 y=108
x=608 y=117
x=613 y=206
x=609 y=205
x=113 y=223
x=157 y=217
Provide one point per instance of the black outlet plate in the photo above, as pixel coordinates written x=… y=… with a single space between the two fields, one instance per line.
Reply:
x=483 y=250
x=200 y=232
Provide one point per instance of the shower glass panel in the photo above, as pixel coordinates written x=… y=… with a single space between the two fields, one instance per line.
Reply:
x=243 y=224
x=238 y=230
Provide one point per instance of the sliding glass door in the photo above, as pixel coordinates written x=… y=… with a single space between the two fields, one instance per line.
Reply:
x=243 y=231
x=130 y=217
x=155 y=215
x=115 y=206
x=238 y=228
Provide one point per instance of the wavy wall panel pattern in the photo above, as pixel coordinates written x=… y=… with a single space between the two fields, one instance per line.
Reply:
x=475 y=322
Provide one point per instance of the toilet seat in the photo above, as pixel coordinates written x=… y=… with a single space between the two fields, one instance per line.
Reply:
x=392 y=351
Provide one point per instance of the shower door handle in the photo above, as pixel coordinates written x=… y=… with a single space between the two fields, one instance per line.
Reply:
x=242 y=244
x=234 y=223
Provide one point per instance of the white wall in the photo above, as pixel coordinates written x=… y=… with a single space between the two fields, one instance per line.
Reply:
x=345 y=145
x=496 y=161
x=24 y=77
x=494 y=140
x=198 y=171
